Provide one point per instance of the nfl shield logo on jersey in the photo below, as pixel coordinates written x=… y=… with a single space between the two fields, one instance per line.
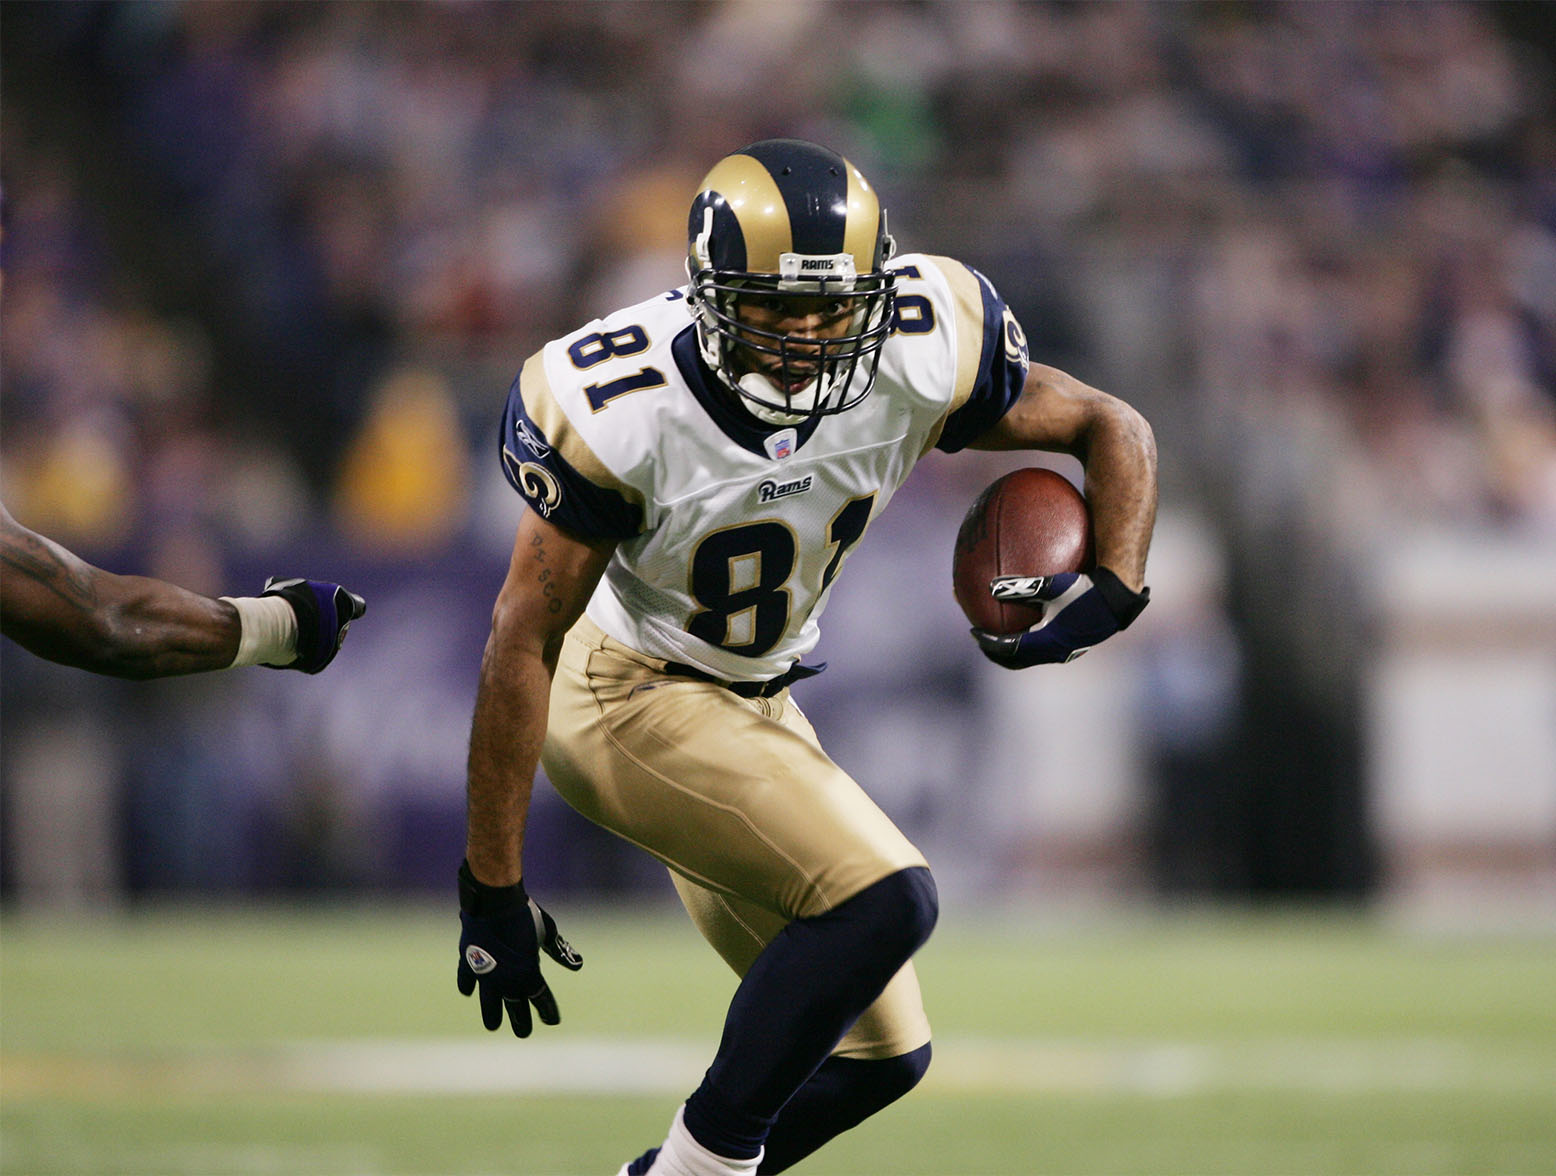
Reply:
x=781 y=444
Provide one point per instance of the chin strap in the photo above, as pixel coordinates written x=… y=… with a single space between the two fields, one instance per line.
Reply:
x=753 y=384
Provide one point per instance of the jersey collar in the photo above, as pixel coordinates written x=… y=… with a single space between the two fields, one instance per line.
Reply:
x=719 y=403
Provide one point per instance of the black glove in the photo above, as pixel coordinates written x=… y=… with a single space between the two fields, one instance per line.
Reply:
x=504 y=932
x=324 y=613
x=1078 y=612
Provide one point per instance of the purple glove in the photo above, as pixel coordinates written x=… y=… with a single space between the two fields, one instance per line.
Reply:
x=1078 y=612
x=324 y=613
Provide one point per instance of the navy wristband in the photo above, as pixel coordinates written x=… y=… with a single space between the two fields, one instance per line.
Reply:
x=483 y=901
x=1123 y=601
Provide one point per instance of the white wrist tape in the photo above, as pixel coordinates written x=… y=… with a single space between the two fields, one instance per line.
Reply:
x=267 y=630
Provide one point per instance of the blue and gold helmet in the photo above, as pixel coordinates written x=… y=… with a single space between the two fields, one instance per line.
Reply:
x=787 y=254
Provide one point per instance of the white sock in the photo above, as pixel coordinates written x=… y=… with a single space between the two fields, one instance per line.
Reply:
x=682 y=1155
x=267 y=629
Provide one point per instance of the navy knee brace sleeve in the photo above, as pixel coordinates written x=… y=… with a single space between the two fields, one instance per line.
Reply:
x=839 y=1096
x=798 y=999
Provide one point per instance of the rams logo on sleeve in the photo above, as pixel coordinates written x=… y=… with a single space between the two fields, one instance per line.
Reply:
x=559 y=476
x=540 y=487
x=538 y=484
x=1015 y=341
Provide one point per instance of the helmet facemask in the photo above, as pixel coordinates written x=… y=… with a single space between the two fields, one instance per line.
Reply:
x=794 y=347
x=789 y=287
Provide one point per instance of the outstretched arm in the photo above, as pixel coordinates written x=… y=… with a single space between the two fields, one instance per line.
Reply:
x=62 y=608
x=1115 y=444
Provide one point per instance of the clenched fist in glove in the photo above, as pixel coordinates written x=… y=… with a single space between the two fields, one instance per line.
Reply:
x=324 y=612
x=504 y=932
x=1078 y=612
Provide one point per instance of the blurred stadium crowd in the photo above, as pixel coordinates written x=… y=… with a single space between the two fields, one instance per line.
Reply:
x=270 y=268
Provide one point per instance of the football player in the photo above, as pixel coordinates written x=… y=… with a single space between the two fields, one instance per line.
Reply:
x=698 y=468
x=60 y=607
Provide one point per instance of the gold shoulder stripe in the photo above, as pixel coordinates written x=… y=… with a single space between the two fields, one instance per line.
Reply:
x=757 y=202
x=541 y=403
x=967 y=307
x=967 y=315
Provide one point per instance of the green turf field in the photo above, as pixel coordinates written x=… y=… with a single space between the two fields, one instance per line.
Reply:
x=230 y=1042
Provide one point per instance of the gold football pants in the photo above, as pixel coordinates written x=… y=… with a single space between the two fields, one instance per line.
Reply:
x=736 y=796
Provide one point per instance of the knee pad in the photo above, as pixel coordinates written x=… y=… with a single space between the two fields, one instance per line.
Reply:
x=892 y=1078
x=902 y=909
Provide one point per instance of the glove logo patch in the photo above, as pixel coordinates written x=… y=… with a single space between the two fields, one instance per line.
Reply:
x=1017 y=587
x=566 y=955
x=479 y=959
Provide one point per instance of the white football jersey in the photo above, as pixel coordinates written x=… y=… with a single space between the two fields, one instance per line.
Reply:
x=731 y=531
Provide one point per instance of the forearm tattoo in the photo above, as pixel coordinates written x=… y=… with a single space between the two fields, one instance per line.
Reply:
x=42 y=565
x=540 y=562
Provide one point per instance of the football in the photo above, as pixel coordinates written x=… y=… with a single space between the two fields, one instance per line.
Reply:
x=1031 y=522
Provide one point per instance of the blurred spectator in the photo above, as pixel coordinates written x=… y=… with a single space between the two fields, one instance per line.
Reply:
x=403 y=478
x=264 y=258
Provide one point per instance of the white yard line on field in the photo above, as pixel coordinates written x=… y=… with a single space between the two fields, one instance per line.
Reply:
x=627 y=1066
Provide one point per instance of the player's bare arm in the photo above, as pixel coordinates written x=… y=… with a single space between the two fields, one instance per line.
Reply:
x=62 y=608
x=58 y=606
x=549 y=581
x=1115 y=444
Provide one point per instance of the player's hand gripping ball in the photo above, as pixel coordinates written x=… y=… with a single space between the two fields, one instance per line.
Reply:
x=1029 y=524
x=1024 y=573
